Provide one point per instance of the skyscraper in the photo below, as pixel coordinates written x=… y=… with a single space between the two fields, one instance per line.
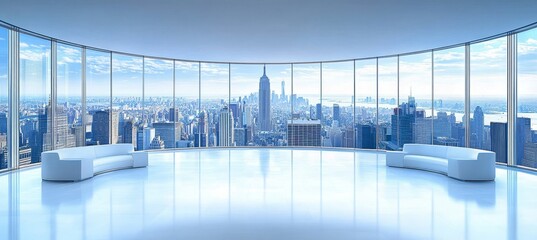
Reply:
x=202 y=137
x=335 y=112
x=498 y=132
x=264 y=103
x=225 y=128
x=304 y=133
x=100 y=127
x=318 y=112
x=478 y=127
x=169 y=132
x=174 y=115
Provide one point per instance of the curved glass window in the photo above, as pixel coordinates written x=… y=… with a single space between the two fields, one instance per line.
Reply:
x=214 y=103
x=338 y=104
x=387 y=104
x=4 y=99
x=488 y=97
x=449 y=95
x=98 y=100
x=159 y=111
x=305 y=126
x=526 y=125
x=68 y=128
x=127 y=99
x=187 y=103
x=365 y=101
x=35 y=99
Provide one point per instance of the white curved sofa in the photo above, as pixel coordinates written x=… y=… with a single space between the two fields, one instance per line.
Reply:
x=79 y=163
x=456 y=162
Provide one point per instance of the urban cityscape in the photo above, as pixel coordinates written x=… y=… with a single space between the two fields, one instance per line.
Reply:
x=136 y=100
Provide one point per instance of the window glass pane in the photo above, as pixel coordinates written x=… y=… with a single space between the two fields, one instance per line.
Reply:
x=488 y=97
x=127 y=93
x=366 y=104
x=526 y=128
x=159 y=113
x=4 y=94
x=415 y=99
x=187 y=86
x=305 y=127
x=34 y=115
x=338 y=112
x=214 y=102
x=97 y=97
x=280 y=78
x=252 y=95
x=68 y=128
x=387 y=101
x=449 y=97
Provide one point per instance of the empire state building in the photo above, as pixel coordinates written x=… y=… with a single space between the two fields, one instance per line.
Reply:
x=264 y=102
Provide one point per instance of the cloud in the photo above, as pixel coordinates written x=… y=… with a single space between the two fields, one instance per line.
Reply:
x=98 y=65
x=157 y=66
x=127 y=64
x=527 y=47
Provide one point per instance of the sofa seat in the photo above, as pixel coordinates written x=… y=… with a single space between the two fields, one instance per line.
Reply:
x=434 y=164
x=466 y=164
x=111 y=163
x=79 y=163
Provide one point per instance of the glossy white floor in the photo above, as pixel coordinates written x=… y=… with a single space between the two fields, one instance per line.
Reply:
x=268 y=194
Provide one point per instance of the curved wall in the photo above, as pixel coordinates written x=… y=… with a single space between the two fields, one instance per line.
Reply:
x=478 y=94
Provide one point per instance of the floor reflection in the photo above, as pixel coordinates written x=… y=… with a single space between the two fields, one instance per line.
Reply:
x=268 y=194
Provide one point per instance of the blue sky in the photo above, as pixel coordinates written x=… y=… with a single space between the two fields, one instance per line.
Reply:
x=488 y=73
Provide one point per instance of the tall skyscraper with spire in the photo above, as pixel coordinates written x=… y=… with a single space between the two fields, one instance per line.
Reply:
x=264 y=102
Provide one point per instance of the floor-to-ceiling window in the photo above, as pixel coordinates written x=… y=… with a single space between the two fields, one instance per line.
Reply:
x=35 y=99
x=415 y=99
x=98 y=98
x=68 y=129
x=338 y=104
x=305 y=127
x=280 y=78
x=4 y=101
x=488 y=97
x=526 y=125
x=187 y=102
x=127 y=103
x=387 y=136
x=159 y=111
x=251 y=97
x=214 y=104
x=449 y=95
x=365 y=101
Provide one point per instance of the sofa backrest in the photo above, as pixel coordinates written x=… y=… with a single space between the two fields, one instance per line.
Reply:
x=113 y=149
x=426 y=150
x=463 y=153
x=78 y=152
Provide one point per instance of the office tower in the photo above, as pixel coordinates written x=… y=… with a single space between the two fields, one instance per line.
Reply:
x=156 y=143
x=140 y=138
x=203 y=130
x=169 y=132
x=148 y=135
x=365 y=136
x=523 y=136
x=422 y=131
x=498 y=132
x=442 y=125
x=283 y=97
x=174 y=115
x=3 y=123
x=264 y=103
x=225 y=128
x=458 y=133
x=477 y=128
x=318 y=112
x=63 y=138
x=304 y=133
x=336 y=114
x=100 y=127
x=240 y=136
x=235 y=108
x=348 y=135
x=129 y=132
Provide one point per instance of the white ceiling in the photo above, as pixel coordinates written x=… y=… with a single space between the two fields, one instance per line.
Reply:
x=268 y=30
